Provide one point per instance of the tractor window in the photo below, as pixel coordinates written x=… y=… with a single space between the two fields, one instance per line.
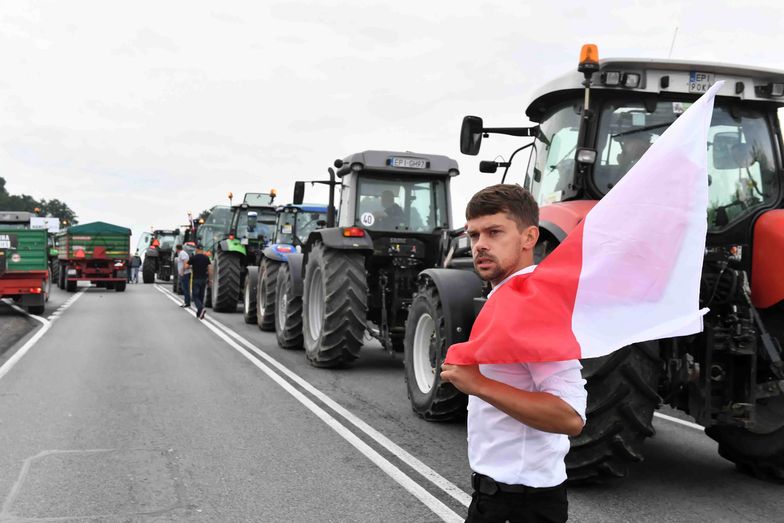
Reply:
x=308 y=222
x=741 y=167
x=167 y=241
x=256 y=224
x=553 y=169
x=285 y=232
x=401 y=204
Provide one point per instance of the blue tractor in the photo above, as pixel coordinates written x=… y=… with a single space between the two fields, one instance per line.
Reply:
x=272 y=277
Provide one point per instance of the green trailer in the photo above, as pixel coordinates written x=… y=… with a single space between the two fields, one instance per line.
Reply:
x=24 y=270
x=97 y=252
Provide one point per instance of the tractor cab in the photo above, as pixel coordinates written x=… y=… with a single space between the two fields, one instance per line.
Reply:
x=296 y=222
x=592 y=126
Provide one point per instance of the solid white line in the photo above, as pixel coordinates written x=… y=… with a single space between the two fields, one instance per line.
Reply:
x=679 y=421
x=9 y=364
x=431 y=475
x=14 y=306
x=430 y=501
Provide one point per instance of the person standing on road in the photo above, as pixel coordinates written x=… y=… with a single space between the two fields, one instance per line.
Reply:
x=521 y=414
x=136 y=262
x=201 y=268
x=184 y=274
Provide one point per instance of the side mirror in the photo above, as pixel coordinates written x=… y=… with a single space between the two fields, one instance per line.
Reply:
x=299 y=193
x=471 y=135
x=488 y=167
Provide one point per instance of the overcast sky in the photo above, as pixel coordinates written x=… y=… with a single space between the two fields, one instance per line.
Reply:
x=136 y=112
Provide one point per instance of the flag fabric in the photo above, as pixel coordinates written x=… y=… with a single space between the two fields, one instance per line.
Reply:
x=629 y=272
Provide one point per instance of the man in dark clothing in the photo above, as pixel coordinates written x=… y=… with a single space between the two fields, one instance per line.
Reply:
x=136 y=262
x=392 y=216
x=201 y=268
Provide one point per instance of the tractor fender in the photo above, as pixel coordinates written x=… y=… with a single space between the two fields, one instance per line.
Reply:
x=563 y=217
x=457 y=290
x=232 y=246
x=334 y=239
x=295 y=261
x=767 y=285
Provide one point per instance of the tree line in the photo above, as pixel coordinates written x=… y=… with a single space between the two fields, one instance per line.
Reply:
x=25 y=202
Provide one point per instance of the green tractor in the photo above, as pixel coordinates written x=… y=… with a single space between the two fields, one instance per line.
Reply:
x=360 y=273
x=250 y=228
x=591 y=124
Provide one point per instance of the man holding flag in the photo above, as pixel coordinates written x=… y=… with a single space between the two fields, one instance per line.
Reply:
x=519 y=414
x=630 y=272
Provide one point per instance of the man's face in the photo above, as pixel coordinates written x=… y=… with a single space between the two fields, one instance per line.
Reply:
x=499 y=247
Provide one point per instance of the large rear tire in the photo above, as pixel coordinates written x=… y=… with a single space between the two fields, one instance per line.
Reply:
x=249 y=291
x=54 y=266
x=335 y=306
x=424 y=352
x=265 y=309
x=70 y=286
x=226 y=285
x=621 y=400
x=148 y=270
x=760 y=453
x=288 y=311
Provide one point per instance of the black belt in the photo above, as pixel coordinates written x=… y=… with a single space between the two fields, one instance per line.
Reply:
x=487 y=485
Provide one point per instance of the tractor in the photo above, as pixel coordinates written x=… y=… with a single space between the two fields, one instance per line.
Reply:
x=250 y=228
x=271 y=278
x=158 y=254
x=591 y=126
x=360 y=273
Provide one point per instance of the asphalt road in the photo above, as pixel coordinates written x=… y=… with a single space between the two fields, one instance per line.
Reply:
x=127 y=408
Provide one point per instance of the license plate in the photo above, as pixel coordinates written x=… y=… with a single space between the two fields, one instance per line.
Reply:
x=409 y=163
x=5 y=244
x=700 y=82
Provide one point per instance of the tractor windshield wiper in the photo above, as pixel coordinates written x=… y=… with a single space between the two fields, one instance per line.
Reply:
x=641 y=129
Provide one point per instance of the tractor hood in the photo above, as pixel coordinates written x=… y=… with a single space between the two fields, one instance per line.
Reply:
x=562 y=217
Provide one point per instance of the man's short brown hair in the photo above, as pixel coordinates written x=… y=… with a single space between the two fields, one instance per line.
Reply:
x=505 y=197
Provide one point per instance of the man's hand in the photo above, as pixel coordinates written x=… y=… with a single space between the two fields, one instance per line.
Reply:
x=466 y=378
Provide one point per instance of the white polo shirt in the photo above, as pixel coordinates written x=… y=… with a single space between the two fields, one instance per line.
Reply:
x=511 y=452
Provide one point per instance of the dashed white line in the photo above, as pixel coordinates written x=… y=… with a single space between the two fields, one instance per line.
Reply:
x=430 y=501
x=679 y=421
x=47 y=324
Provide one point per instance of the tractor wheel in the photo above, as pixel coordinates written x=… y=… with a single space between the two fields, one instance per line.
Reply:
x=249 y=291
x=176 y=285
x=119 y=286
x=208 y=296
x=759 y=453
x=148 y=270
x=61 y=276
x=424 y=352
x=226 y=283
x=265 y=310
x=288 y=312
x=335 y=306
x=36 y=309
x=621 y=399
x=70 y=286
x=55 y=274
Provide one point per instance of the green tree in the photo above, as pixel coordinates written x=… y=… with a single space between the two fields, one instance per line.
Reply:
x=25 y=202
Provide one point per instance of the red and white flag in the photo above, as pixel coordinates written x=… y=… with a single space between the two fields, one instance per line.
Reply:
x=630 y=272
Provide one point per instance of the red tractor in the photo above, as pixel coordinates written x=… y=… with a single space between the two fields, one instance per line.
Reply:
x=591 y=126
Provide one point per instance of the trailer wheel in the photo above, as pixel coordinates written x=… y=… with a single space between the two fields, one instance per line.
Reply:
x=424 y=352
x=148 y=270
x=249 y=291
x=48 y=286
x=265 y=310
x=335 y=306
x=760 y=453
x=226 y=283
x=288 y=311
x=119 y=286
x=54 y=266
x=36 y=309
x=621 y=399
x=61 y=276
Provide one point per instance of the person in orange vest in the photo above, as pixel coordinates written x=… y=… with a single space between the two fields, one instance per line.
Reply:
x=155 y=243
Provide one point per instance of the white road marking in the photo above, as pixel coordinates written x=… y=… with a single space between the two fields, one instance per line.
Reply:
x=430 y=501
x=428 y=473
x=679 y=421
x=8 y=365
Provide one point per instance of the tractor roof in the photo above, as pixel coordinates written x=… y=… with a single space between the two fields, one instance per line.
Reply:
x=399 y=162
x=307 y=207
x=166 y=231
x=15 y=216
x=664 y=77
